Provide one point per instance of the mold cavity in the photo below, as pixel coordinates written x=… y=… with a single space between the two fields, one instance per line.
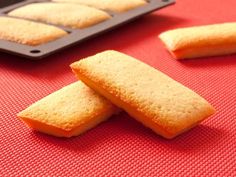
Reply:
x=35 y=51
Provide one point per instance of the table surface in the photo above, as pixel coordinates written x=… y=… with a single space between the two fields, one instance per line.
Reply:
x=122 y=146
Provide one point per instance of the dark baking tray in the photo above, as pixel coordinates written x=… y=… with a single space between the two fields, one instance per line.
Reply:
x=75 y=35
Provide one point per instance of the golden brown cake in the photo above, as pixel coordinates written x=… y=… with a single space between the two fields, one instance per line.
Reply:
x=68 y=112
x=27 y=32
x=64 y=14
x=112 y=5
x=209 y=40
x=153 y=98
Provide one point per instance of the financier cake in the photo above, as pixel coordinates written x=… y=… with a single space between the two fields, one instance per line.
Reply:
x=112 y=5
x=68 y=112
x=27 y=32
x=200 y=41
x=64 y=14
x=148 y=95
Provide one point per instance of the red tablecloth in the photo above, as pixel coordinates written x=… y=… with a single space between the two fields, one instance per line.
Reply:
x=122 y=146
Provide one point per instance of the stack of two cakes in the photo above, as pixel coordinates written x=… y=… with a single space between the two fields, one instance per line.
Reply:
x=111 y=82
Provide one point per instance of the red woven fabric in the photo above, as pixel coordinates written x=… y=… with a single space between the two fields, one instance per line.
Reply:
x=122 y=146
